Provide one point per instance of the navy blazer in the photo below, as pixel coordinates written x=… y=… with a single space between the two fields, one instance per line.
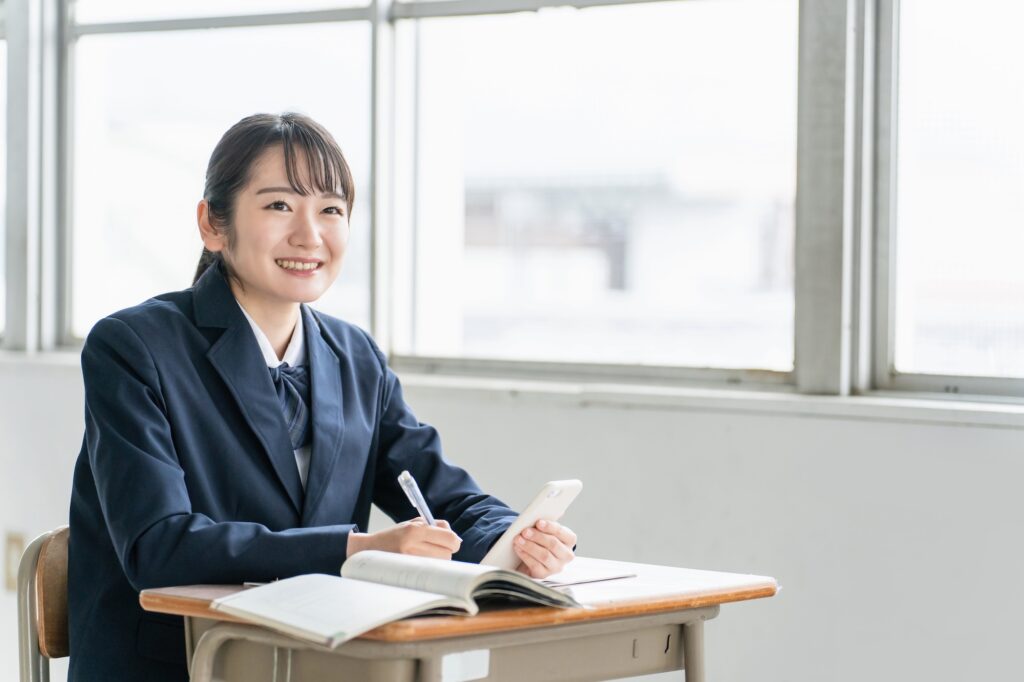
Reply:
x=187 y=474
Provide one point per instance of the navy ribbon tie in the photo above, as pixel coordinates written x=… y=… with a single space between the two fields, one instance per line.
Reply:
x=292 y=386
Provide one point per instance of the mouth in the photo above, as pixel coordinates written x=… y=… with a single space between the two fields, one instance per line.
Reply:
x=298 y=264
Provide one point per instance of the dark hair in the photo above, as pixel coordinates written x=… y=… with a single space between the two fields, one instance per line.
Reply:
x=232 y=160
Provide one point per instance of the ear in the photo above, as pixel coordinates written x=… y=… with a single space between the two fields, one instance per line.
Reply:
x=213 y=239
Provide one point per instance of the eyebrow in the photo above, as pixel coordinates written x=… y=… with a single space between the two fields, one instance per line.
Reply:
x=289 y=190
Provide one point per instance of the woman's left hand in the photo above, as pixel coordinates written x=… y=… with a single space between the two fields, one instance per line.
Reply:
x=544 y=549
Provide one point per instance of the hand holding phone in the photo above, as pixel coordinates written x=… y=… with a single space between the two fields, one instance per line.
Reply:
x=550 y=504
x=545 y=550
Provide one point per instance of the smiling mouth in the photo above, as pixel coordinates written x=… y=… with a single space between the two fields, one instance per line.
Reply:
x=297 y=265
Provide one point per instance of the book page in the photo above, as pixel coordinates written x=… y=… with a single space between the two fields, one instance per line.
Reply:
x=585 y=570
x=326 y=609
x=452 y=578
x=658 y=582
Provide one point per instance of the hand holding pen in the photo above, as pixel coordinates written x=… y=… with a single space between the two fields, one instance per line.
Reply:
x=422 y=536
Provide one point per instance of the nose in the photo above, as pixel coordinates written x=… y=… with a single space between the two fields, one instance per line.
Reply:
x=305 y=232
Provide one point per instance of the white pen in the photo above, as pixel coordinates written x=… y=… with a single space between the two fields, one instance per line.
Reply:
x=412 y=491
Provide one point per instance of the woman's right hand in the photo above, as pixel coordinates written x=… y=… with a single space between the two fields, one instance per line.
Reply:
x=409 y=537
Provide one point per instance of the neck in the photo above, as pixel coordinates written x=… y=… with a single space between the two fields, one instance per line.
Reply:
x=277 y=320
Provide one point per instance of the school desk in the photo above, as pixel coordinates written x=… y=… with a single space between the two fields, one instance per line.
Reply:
x=635 y=626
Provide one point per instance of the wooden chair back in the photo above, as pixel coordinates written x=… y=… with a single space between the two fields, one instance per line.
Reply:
x=52 y=595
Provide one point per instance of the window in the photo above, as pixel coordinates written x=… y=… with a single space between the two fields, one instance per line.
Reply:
x=95 y=11
x=606 y=185
x=149 y=109
x=599 y=192
x=959 y=213
x=3 y=179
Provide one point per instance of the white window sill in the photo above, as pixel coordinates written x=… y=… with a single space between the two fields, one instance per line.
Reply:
x=876 y=406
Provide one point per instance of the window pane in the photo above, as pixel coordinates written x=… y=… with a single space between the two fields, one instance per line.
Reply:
x=3 y=184
x=960 y=235
x=98 y=11
x=605 y=185
x=149 y=109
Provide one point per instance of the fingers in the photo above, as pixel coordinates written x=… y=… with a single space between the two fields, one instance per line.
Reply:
x=417 y=538
x=443 y=536
x=535 y=561
x=563 y=533
x=543 y=554
x=562 y=553
x=529 y=565
x=431 y=551
x=410 y=537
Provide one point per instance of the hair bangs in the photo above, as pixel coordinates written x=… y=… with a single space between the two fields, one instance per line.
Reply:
x=314 y=163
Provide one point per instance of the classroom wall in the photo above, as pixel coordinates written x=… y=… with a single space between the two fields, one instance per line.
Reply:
x=894 y=533
x=40 y=431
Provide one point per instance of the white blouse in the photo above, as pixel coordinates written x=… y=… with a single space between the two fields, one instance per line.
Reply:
x=294 y=355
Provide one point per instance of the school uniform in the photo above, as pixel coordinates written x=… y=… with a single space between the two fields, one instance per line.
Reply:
x=187 y=473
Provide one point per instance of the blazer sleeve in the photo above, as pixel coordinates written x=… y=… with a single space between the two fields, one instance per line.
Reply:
x=141 y=489
x=451 y=493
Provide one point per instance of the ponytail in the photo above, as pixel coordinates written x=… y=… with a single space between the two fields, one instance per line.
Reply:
x=207 y=259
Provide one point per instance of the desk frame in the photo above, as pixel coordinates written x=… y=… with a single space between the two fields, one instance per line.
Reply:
x=656 y=630
x=593 y=650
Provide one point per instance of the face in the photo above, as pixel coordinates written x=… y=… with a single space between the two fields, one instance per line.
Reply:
x=287 y=248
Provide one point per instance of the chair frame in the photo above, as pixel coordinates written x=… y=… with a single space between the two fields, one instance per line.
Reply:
x=33 y=665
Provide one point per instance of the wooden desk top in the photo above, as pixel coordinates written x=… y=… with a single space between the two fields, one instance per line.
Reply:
x=194 y=600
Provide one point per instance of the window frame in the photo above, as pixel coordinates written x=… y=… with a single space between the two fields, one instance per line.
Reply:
x=844 y=236
x=3 y=218
x=23 y=220
x=885 y=375
x=65 y=338
x=746 y=378
x=384 y=16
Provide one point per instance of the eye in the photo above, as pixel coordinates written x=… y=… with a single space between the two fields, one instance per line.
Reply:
x=278 y=206
x=336 y=210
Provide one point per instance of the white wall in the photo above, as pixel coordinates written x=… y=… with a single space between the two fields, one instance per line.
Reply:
x=41 y=424
x=895 y=532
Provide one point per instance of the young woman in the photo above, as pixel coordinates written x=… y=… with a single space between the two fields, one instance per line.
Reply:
x=234 y=434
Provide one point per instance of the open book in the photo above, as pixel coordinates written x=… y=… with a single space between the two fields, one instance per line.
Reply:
x=377 y=588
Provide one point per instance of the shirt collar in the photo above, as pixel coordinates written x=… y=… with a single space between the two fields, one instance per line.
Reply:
x=294 y=354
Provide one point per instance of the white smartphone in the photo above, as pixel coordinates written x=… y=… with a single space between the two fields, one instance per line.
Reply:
x=550 y=504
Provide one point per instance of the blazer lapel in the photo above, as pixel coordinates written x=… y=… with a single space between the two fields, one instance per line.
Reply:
x=237 y=358
x=328 y=416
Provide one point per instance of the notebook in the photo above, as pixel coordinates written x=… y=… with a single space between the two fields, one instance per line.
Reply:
x=376 y=588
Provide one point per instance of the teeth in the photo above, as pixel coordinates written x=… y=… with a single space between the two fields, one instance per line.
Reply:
x=295 y=265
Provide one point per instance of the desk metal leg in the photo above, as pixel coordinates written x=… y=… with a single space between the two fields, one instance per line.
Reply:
x=210 y=643
x=693 y=650
x=429 y=670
